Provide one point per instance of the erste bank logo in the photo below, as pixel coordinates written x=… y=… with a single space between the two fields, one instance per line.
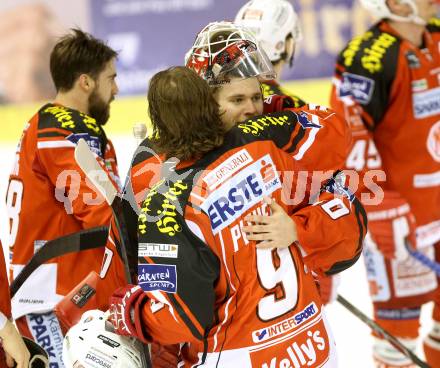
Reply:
x=244 y=190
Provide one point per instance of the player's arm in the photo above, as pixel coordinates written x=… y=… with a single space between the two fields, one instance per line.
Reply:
x=312 y=134
x=180 y=307
x=329 y=232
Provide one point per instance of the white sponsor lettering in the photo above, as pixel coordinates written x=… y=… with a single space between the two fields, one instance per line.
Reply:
x=426 y=104
x=229 y=167
x=241 y=192
x=300 y=355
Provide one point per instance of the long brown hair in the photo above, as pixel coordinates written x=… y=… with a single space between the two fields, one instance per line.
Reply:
x=184 y=114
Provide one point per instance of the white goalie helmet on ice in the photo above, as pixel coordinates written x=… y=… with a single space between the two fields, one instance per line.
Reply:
x=224 y=49
x=88 y=345
x=380 y=9
x=272 y=21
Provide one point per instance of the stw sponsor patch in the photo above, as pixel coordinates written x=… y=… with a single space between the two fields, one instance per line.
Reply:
x=357 y=86
x=244 y=190
x=158 y=250
x=154 y=277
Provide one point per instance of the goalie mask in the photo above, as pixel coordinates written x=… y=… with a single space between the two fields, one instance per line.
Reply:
x=380 y=9
x=272 y=22
x=89 y=344
x=223 y=50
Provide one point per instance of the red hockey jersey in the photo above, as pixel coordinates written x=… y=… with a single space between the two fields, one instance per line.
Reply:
x=48 y=197
x=389 y=92
x=210 y=288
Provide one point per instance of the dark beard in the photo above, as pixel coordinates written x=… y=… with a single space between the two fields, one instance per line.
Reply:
x=98 y=109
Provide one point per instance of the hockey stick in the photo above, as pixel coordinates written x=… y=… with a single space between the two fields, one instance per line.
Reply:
x=380 y=331
x=82 y=240
x=99 y=177
x=426 y=261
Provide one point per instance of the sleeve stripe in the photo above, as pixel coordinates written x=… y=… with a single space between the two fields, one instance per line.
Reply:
x=307 y=144
x=196 y=333
x=55 y=144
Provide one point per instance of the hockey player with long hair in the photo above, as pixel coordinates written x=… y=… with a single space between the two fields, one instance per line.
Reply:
x=229 y=301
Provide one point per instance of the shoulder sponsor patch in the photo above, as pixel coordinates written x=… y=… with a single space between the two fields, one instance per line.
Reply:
x=229 y=167
x=158 y=250
x=83 y=295
x=427 y=103
x=419 y=85
x=412 y=59
x=157 y=277
x=359 y=87
x=93 y=142
x=306 y=120
x=241 y=192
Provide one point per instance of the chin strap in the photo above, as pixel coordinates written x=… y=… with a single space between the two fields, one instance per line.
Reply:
x=412 y=18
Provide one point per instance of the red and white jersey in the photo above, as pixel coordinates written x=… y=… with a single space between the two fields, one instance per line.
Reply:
x=232 y=304
x=389 y=92
x=48 y=197
x=5 y=300
x=321 y=146
x=229 y=302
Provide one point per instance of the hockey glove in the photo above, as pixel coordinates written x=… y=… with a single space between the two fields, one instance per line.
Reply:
x=391 y=223
x=125 y=311
x=276 y=103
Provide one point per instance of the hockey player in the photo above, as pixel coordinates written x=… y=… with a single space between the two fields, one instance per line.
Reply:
x=48 y=195
x=277 y=29
x=387 y=85
x=11 y=341
x=238 y=100
x=201 y=281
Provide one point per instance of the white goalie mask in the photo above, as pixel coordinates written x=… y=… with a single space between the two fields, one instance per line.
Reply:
x=88 y=345
x=272 y=21
x=223 y=50
x=380 y=9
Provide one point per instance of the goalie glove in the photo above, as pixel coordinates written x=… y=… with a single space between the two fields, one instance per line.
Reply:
x=274 y=103
x=391 y=224
x=125 y=311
